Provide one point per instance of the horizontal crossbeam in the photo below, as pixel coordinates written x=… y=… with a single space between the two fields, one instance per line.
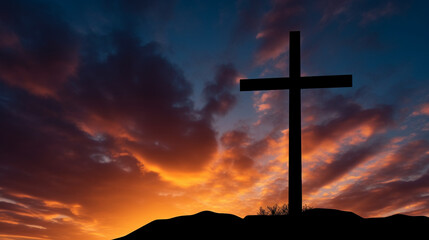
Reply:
x=333 y=81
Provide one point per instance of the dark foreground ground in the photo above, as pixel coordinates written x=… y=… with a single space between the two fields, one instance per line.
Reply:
x=315 y=223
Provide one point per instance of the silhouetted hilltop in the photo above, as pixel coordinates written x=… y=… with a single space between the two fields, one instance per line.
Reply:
x=327 y=223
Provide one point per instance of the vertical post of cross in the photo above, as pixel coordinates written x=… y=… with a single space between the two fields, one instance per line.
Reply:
x=295 y=165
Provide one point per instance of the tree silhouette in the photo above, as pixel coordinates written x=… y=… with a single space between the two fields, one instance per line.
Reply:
x=276 y=210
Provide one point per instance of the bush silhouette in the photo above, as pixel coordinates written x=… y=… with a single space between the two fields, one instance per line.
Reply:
x=278 y=210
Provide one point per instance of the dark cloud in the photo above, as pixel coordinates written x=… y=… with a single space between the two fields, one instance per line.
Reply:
x=40 y=52
x=218 y=93
x=142 y=100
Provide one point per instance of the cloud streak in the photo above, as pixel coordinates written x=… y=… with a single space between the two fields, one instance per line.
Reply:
x=399 y=184
x=274 y=39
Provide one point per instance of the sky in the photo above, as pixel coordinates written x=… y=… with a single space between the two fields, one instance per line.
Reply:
x=117 y=113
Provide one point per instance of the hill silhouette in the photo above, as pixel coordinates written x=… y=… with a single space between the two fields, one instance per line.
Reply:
x=318 y=222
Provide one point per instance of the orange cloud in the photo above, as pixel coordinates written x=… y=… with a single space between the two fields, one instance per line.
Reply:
x=422 y=109
x=402 y=181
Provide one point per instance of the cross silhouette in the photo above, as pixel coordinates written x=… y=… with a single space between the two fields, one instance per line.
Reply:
x=295 y=83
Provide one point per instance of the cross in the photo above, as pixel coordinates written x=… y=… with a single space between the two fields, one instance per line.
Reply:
x=295 y=83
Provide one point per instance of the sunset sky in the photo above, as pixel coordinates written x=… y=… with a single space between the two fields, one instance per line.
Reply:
x=117 y=113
